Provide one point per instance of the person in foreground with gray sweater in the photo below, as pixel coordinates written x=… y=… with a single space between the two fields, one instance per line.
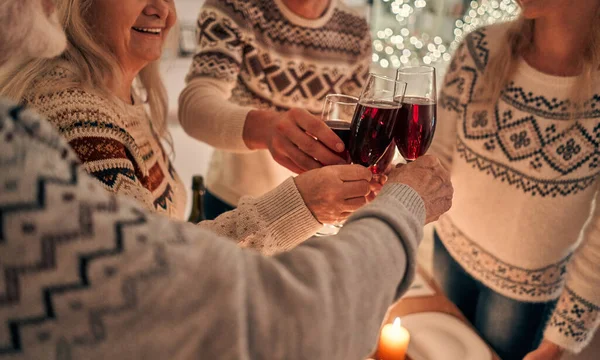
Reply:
x=91 y=275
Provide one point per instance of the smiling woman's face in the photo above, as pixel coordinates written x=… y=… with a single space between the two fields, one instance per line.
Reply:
x=134 y=30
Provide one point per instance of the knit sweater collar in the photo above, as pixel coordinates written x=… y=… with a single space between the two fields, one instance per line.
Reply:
x=543 y=79
x=304 y=22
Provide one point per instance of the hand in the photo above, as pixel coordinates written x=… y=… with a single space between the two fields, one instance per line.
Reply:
x=290 y=137
x=430 y=180
x=546 y=351
x=332 y=193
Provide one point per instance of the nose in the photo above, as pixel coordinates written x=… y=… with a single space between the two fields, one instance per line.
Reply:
x=158 y=8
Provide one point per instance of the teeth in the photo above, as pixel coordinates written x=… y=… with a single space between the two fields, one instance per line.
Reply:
x=149 y=30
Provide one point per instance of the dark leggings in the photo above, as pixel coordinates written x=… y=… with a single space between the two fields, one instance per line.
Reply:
x=213 y=206
x=513 y=328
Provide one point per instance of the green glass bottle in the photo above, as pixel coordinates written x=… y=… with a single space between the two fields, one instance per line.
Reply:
x=198 y=191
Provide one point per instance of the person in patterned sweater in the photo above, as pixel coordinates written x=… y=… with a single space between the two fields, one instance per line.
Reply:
x=261 y=68
x=89 y=274
x=519 y=127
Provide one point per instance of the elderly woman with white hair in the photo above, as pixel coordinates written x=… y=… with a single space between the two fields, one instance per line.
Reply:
x=105 y=96
x=91 y=275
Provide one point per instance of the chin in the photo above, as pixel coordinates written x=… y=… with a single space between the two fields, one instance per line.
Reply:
x=152 y=58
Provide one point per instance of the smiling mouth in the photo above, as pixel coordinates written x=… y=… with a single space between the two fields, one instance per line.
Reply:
x=150 y=31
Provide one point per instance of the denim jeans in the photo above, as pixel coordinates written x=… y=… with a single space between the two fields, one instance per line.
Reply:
x=213 y=206
x=512 y=328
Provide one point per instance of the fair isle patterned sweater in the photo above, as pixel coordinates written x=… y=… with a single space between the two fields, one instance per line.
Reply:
x=88 y=275
x=525 y=177
x=258 y=54
x=117 y=146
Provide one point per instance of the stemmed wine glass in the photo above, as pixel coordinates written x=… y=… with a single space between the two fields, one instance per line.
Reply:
x=416 y=121
x=373 y=124
x=337 y=113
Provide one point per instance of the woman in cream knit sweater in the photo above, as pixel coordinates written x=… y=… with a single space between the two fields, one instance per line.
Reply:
x=105 y=96
x=520 y=130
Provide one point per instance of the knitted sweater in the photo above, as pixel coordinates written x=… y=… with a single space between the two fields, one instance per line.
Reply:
x=118 y=146
x=257 y=54
x=124 y=153
x=90 y=275
x=525 y=176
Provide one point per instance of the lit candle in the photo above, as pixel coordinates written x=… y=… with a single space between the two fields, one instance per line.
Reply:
x=393 y=342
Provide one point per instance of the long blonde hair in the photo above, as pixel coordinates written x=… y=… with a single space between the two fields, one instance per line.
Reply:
x=91 y=63
x=519 y=37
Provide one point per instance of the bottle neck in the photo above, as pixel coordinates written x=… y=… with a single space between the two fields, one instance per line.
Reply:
x=197 y=214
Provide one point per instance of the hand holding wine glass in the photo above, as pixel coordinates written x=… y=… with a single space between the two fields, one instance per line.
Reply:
x=290 y=137
x=333 y=193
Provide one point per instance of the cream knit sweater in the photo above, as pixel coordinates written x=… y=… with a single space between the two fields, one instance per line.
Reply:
x=525 y=177
x=257 y=54
x=124 y=153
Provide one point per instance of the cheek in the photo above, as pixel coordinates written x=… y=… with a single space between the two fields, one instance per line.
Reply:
x=171 y=20
x=533 y=9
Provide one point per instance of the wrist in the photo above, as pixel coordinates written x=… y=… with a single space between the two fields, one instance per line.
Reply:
x=258 y=128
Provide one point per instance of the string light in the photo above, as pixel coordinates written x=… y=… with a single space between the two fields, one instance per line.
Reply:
x=405 y=43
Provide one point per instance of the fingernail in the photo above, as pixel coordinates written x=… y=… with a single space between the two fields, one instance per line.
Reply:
x=340 y=147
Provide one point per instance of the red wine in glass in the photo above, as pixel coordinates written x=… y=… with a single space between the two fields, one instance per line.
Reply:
x=372 y=131
x=415 y=126
x=342 y=130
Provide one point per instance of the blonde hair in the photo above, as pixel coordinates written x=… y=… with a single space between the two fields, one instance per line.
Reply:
x=91 y=63
x=519 y=37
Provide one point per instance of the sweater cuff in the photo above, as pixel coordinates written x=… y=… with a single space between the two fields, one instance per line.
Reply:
x=411 y=200
x=573 y=322
x=399 y=204
x=286 y=215
x=233 y=129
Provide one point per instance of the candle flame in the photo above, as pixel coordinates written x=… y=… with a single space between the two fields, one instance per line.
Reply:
x=397 y=323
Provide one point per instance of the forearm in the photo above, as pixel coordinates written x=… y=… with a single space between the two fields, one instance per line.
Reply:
x=577 y=314
x=206 y=114
x=327 y=297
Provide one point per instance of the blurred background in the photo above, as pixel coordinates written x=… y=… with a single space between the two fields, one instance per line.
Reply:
x=404 y=32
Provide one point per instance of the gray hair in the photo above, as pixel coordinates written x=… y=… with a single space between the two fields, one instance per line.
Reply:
x=28 y=33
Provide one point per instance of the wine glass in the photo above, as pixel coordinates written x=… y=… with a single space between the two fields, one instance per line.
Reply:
x=372 y=130
x=416 y=121
x=337 y=113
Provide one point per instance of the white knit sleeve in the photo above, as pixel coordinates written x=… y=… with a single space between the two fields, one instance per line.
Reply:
x=205 y=111
x=577 y=314
x=274 y=222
